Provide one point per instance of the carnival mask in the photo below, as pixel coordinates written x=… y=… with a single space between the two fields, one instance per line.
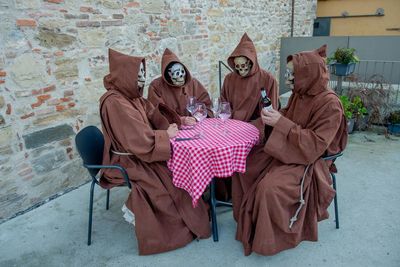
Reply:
x=177 y=73
x=242 y=65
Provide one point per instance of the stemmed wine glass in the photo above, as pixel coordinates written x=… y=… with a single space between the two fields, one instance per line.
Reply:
x=200 y=113
x=225 y=113
x=216 y=108
x=191 y=104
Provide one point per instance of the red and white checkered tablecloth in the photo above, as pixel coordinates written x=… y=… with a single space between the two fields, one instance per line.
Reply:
x=195 y=162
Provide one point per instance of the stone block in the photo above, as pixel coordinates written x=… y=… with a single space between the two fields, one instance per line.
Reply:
x=6 y=150
x=2 y=102
x=2 y=120
x=42 y=137
x=153 y=6
x=49 y=161
x=29 y=71
x=112 y=4
x=50 y=38
x=175 y=28
x=6 y=135
x=27 y=4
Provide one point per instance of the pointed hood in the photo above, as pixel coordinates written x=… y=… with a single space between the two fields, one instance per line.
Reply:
x=245 y=48
x=123 y=75
x=169 y=57
x=310 y=71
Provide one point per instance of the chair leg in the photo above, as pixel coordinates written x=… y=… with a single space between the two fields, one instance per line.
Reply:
x=89 y=241
x=108 y=199
x=213 y=205
x=335 y=201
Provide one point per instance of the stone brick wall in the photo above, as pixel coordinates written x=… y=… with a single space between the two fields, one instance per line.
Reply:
x=53 y=56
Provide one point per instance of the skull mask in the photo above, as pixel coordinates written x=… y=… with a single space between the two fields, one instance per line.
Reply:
x=289 y=75
x=177 y=73
x=141 y=76
x=242 y=65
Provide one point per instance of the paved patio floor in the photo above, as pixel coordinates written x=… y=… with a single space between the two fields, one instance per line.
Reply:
x=369 y=200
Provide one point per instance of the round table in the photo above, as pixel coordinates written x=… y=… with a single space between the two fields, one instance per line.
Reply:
x=221 y=151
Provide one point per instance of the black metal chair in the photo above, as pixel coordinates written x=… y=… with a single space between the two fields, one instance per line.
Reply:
x=214 y=203
x=333 y=158
x=90 y=144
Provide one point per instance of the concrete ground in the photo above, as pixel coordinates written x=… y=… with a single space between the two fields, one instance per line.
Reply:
x=369 y=235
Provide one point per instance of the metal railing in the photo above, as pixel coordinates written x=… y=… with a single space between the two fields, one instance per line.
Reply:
x=369 y=74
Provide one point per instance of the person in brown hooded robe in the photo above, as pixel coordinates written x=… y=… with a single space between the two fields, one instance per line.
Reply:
x=287 y=187
x=175 y=94
x=165 y=218
x=242 y=89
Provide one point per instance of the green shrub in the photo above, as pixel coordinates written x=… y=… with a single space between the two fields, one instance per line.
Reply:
x=353 y=108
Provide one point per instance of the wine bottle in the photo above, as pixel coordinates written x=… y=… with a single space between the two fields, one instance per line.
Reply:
x=266 y=101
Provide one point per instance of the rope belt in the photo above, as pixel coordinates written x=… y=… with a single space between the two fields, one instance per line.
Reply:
x=302 y=202
x=121 y=153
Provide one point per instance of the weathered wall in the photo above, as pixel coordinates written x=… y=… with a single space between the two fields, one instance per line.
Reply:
x=53 y=56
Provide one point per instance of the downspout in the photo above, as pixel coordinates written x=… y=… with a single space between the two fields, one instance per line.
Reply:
x=292 y=20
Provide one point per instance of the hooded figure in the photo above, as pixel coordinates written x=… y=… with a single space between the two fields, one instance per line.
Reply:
x=163 y=90
x=136 y=138
x=244 y=95
x=287 y=188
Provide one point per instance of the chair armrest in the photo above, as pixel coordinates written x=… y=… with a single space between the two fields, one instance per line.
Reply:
x=333 y=157
x=122 y=170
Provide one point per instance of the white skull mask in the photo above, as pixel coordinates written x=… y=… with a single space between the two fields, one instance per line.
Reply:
x=289 y=75
x=177 y=74
x=242 y=65
x=141 y=76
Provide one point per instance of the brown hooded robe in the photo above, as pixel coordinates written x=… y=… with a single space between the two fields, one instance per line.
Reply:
x=244 y=95
x=165 y=218
x=163 y=91
x=290 y=170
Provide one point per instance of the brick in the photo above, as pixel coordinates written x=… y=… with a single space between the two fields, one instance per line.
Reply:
x=60 y=108
x=9 y=109
x=86 y=9
x=26 y=23
x=71 y=105
x=2 y=73
x=68 y=93
x=27 y=115
x=43 y=97
x=69 y=149
x=88 y=23
x=107 y=23
x=88 y=79
x=37 y=91
x=66 y=99
x=37 y=104
x=2 y=81
x=133 y=4
x=59 y=53
x=49 y=88
x=42 y=137
x=55 y=1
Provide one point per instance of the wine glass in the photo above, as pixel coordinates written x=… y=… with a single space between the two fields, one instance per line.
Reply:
x=200 y=113
x=216 y=108
x=191 y=104
x=225 y=113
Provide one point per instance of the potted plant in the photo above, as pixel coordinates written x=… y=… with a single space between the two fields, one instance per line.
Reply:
x=354 y=110
x=394 y=122
x=343 y=61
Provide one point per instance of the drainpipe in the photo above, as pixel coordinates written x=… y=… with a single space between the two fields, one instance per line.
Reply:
x=292 y=20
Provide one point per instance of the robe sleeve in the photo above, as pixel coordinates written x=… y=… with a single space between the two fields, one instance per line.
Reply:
x=135 y=135
x=292 y=144
x=273 y=89
x=154 y=96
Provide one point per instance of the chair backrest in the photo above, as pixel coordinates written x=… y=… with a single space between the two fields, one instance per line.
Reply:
x=90 y=144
